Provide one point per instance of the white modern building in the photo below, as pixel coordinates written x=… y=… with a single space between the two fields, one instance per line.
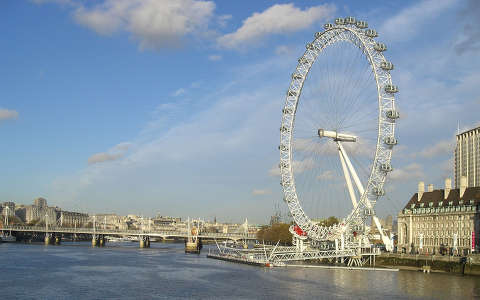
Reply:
x=467 y=157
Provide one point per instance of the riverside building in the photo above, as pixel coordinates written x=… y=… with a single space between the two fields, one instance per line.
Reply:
x=467 y=157
x=442 y=221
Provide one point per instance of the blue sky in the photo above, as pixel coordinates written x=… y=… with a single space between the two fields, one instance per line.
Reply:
x=173 y=107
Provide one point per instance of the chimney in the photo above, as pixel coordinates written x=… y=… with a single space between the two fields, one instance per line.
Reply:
x=430 y=187
x=448 y=187
x=463 y=185
x=421 y=189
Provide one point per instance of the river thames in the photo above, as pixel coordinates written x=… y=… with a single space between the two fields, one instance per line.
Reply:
x=124 y=271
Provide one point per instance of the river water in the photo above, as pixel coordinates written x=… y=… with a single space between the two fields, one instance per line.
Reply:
x=124 y=271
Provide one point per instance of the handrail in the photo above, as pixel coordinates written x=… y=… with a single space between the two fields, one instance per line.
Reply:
x=88 y=230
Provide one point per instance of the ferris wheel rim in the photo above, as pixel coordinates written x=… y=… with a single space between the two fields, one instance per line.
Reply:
x=385 y=127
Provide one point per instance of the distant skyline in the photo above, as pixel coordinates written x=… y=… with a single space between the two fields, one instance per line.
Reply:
x=173 y=106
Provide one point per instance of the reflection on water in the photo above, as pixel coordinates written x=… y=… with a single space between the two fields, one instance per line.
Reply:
x=123 y=271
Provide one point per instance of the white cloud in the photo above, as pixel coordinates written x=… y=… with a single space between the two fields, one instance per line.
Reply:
x=215 y=57
x=155 y=24
x=409 y=172
x=7 y=114
x=327 y=175
x=470 y=38
x=283 y=50
x=261 y=192
x=179 y=92
x=440 y=148
x=409 y=21
x=115 y=153
x=277 y=19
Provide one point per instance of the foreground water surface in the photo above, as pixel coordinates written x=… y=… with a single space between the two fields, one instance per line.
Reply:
x=123 y=271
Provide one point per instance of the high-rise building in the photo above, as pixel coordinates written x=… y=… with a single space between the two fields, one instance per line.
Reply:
x=467 y=157
x=40 y=202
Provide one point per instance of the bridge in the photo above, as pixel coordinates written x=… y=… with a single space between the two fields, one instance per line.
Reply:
x=144 y=235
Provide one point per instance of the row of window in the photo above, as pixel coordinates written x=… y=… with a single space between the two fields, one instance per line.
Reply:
x=445 y=225
x=439 y=209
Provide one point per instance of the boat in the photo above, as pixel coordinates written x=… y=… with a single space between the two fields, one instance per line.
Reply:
x=7 y=238
x=193 y=244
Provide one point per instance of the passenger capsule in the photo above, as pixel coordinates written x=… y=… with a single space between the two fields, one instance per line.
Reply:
x=284 y=129
x=287 y=110
x=386 y=167
x=297 y=76
x=371 y=33
x=361 y=24
x=390 y=140
x=317 y=34
x=367 y=212
x=282 y=147
x=328 y=26
x=386 y=65
x=311 y=46
x=378 y=191
x=339 y=21
x=380 y=47
x=392 y=114
x=350 y=20
x=291 y=93
x=304 y=60
x=390 y=88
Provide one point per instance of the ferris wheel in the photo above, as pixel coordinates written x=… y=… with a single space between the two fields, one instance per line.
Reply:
x=338 y=130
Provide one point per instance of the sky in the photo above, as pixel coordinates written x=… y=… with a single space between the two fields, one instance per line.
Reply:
x=172 y=107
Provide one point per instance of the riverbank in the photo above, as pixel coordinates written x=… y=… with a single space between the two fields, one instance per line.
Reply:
x=469 y=265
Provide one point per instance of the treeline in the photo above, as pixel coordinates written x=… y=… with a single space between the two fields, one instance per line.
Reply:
x=274 y=233
x=279 y=231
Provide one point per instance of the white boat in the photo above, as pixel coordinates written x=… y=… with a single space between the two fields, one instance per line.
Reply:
x=7 y=238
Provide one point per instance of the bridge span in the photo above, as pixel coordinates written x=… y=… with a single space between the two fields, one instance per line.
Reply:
x=53 y=233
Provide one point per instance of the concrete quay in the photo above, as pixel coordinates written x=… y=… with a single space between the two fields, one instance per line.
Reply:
x=466 y=265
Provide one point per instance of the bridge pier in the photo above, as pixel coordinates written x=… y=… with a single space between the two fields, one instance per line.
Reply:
x=101 y=241
x=48 y=238
x=144 y=241
x=94 y=241
x=58 y=240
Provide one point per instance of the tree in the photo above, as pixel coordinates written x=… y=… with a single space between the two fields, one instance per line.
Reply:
x=274 y=233
x=330 y=221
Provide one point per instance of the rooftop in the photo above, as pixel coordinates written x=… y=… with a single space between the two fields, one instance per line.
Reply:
x=437 y=196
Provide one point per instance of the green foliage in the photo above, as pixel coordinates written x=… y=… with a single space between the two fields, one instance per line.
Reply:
x=274 y=233
x=330 y=221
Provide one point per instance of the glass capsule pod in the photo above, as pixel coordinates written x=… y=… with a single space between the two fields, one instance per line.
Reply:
x=350 y=20
x=282 y=147
x=386 y=167
x=304 y=60
x=390 y=88
x=361 y=24
x=291 y=93
x=328 y=26
x=367 y=212
x=297 y=76
x=390 y=140
x=284 y=129
x=378 y=191
x=386 y=65
x=287 y=110
x=339 y=21
x=392 y=114
x=371 y=33
x=380 y=47
x=311 y=46
x=317 y=34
